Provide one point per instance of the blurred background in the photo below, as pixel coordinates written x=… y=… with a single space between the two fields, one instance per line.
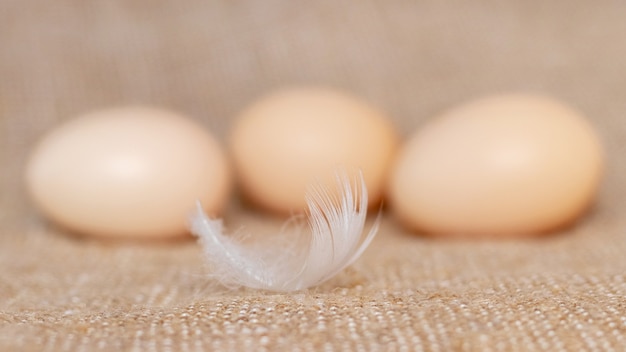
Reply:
x=209 y=59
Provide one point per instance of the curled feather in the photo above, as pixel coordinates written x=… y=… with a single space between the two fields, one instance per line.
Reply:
x=336 y=239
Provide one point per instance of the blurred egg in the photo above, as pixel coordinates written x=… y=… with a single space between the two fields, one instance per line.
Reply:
x=501 y=166
x=287 y=140
x=127 y=172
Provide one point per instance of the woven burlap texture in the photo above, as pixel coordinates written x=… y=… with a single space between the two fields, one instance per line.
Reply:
x=208 y=59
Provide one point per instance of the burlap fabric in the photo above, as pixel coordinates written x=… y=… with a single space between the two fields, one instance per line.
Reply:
x=60 y=292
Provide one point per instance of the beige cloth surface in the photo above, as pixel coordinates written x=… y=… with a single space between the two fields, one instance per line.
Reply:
x=565 y=292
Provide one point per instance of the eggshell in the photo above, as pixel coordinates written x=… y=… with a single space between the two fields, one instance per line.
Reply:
x=131 y=172
x=285 y=141
x=501 y=166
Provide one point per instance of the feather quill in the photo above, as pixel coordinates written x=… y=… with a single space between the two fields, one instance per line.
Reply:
x=336 y=239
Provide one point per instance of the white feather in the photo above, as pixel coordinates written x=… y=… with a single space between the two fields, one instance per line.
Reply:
x=301 y=260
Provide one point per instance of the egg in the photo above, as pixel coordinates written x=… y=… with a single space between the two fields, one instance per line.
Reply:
x=133 y=172
x=501 y=166
x=294 y=137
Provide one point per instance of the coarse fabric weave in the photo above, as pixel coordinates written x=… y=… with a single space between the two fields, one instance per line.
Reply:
x=208 y=59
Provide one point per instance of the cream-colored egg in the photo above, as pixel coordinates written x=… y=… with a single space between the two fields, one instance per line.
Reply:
x=500 y=166
x=131 y=172
x=287 y=140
